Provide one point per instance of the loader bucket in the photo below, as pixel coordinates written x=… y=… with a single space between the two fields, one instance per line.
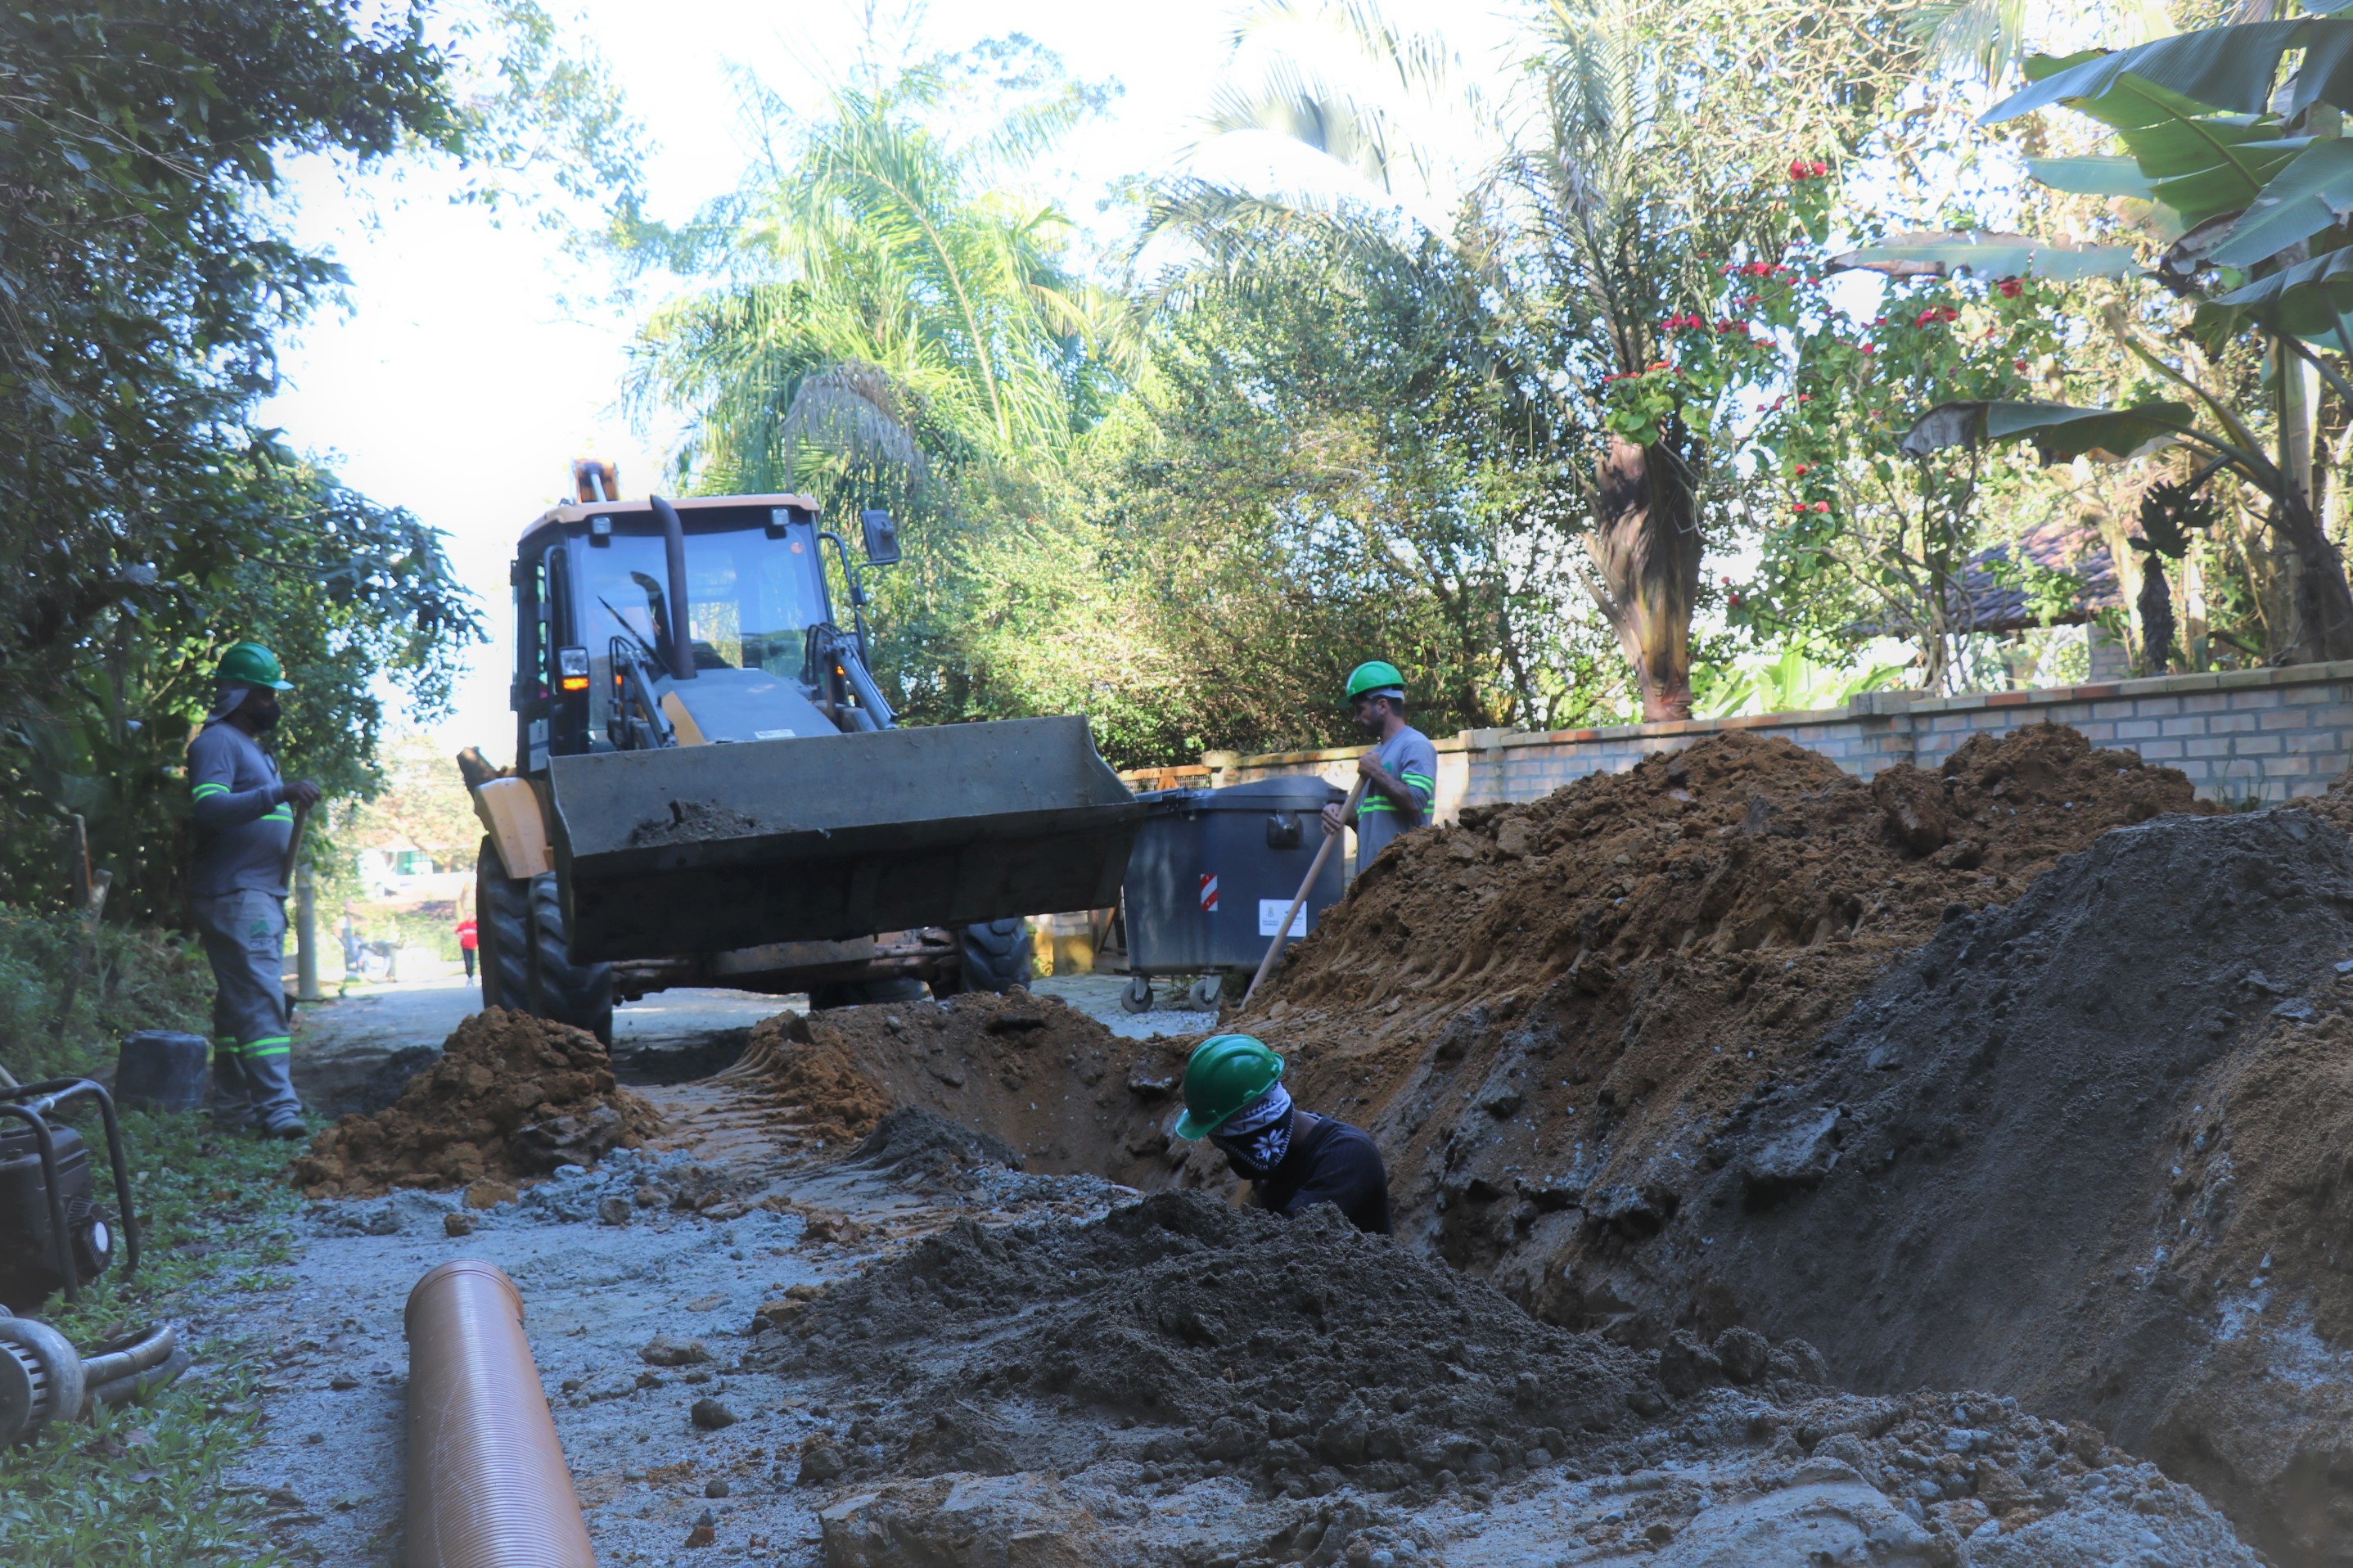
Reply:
x=706 y=849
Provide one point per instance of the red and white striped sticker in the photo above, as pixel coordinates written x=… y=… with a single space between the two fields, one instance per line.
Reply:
x=1209 y=892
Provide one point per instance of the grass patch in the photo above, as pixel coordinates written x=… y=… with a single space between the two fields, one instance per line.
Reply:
x=144 y=1486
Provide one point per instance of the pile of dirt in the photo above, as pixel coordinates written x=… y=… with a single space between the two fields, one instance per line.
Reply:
x=924 y=1149
x=1555 y=1003
x=1268 y=1345
x=1180 y=1341
x=2089 y=1150
x=1065 y=1093
x=512 y=1096
x=693 y=821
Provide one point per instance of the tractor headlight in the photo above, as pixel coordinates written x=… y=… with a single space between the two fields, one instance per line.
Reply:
x=572 y=668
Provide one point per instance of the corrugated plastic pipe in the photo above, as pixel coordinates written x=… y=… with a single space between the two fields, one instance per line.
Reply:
x=487 y=1484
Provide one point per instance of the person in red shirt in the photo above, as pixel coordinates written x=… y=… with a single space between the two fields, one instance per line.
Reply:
x=466 y=944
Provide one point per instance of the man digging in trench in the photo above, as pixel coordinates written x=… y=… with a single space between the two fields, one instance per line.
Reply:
x=1294 y=1159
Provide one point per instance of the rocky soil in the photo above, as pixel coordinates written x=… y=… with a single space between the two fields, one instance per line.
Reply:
x=509 y=1097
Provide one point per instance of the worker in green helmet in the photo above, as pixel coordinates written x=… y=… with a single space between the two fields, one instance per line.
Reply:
x=237 y=890
x=1294 y=1159
x=1400 y=773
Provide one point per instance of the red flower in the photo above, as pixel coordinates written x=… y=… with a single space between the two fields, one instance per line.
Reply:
x=1821 y=506
x=2021 y=365
x=2010 y=288
x=1819 y=169
x=1799 y=509
x=1805 y=467
x=1797 y=171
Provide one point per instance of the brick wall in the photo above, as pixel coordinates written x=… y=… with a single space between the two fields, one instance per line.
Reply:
x=2263 y=734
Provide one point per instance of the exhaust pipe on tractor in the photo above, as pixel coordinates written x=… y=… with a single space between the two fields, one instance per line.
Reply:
x=487 y=1483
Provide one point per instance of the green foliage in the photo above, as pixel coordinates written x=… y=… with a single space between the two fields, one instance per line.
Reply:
x=129 y=977
x=148 y=274
x=1788 y=682
x=1318 y=470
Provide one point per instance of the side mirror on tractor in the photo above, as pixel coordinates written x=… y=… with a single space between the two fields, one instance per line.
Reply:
x=881 y=537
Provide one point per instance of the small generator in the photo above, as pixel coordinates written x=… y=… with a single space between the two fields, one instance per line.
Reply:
x=53 y=1233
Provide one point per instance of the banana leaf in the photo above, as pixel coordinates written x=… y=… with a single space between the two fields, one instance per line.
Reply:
x=2199 y=160
x=2060 y=432
x=2313 y=193
x=2091 y=176
x=1933 y=254
x=2309 y=299
x=2233 y=68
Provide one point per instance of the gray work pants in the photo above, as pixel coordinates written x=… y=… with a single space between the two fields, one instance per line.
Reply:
x=244 y=935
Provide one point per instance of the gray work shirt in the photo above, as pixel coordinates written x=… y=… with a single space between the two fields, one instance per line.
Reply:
x=1412 y=761
x=243 y=822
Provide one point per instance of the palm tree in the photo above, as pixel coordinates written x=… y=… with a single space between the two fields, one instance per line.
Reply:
x=1617 y=181
x=906 y=310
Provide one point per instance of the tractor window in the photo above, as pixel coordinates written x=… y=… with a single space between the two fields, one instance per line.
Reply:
x=752 y=597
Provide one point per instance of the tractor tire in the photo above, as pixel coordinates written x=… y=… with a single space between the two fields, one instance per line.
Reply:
x=997 y=956
x=861 y=993
x=501 y=931
x=580 y=995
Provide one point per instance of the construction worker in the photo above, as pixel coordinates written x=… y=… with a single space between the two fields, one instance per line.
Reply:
x=237 y=886
x=1400 y=773
x=468 y=939
x=1294 y=1159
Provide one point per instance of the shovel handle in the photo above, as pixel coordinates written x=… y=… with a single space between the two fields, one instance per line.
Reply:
x=1314 y=868
x=294 y=844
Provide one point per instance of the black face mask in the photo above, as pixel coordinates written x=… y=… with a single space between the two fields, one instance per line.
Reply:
x=263 y=718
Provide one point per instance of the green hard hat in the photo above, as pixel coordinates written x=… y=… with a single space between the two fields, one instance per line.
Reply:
x=1225 y=1073
x=1376 y=677
x=250 y=664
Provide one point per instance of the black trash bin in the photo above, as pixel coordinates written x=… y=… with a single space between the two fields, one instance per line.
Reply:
x=1211 y=873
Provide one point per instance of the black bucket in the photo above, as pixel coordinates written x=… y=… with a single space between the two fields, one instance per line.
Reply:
x=161 y=1069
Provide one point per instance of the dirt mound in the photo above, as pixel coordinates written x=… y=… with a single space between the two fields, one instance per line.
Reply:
x=1064 y=1092
x=1547 y=1009
x=2089 y=1150
x=512 y=1096
x=1180 y=1341
x=924 y=1148
x=1300 y=1342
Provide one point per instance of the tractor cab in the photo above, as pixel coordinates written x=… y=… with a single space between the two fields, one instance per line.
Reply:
x=599 y=666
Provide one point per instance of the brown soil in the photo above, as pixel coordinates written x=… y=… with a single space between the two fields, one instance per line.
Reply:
x=511 y=1097
x=1582 y=987
x=1064 y=1092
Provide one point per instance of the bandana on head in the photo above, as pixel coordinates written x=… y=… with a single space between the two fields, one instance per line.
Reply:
x=1257 y=1136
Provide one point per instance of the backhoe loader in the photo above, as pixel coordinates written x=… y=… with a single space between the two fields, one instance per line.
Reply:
x=710 y=787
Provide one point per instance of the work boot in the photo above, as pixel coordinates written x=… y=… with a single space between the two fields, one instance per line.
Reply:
x=270 y=1082
x=232 y=1106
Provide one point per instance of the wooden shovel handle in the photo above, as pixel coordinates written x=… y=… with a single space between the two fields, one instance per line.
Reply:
x=1315 y=869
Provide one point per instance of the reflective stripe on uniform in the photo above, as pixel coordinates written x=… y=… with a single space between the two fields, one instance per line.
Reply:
x=276 y=1046
x=203 y=790
x=279 y=814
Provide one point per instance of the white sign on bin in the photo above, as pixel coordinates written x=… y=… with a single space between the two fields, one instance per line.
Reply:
x=1270 y=915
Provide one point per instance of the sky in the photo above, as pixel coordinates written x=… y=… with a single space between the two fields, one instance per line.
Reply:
x=459 y=380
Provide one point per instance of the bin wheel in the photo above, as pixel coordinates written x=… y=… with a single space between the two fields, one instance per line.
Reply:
x=1137 y=997
x=1206 y=991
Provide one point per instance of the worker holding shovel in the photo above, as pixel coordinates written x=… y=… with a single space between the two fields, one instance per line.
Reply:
x=1399 y=774
x=245 y=827
x=1294 y=1159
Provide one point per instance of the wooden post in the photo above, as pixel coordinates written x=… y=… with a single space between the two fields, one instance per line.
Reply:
x=306 y=936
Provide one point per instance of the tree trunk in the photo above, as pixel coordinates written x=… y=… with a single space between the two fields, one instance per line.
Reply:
x=1646 y=546
x=2323 y=628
